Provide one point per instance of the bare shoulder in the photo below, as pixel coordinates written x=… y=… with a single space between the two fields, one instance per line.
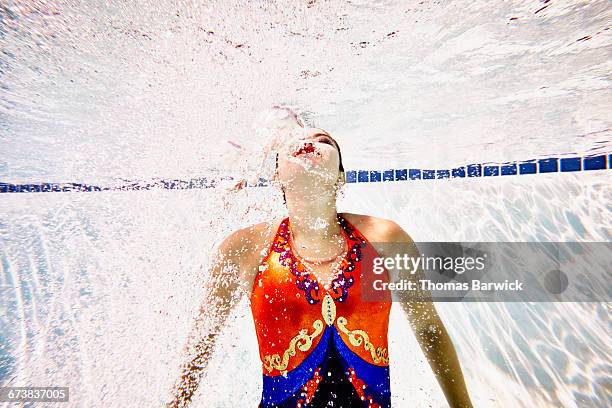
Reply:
x=241 y=251
x=245 y=247
x=377 y=229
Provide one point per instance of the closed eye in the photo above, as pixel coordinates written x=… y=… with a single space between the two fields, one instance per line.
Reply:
x=325 y=139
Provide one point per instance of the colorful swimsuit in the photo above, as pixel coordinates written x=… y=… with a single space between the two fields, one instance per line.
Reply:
x=317 y=345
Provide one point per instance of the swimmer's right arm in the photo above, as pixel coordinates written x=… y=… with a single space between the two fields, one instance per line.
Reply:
x=220 y=293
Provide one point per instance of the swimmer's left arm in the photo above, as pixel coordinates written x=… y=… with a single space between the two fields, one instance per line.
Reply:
x=427 y=325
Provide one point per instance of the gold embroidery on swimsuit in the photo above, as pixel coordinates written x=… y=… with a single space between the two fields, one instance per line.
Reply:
x=302 y=341
x=357 y=337
x=328 y=309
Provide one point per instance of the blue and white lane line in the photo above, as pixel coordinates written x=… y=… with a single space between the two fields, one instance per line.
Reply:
x=548 y=165
x=519 y=168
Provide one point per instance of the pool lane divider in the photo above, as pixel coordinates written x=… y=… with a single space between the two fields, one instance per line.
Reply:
x=540 y=166
x=519 y=168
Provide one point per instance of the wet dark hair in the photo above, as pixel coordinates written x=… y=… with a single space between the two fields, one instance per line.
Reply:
x=340 y=167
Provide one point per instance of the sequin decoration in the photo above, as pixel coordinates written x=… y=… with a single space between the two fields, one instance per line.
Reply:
x=310 y=388
x=360 y=387
x=313 y=290
x=303 y=342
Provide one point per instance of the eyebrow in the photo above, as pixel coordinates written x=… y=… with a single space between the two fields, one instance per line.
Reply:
x=331 y=139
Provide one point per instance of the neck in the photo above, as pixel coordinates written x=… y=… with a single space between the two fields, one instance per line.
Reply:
x=313 y=218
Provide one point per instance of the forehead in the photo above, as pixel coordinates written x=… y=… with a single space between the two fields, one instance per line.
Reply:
x=335 y=143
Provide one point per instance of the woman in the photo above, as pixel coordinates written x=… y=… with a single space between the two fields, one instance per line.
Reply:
x=321 y=344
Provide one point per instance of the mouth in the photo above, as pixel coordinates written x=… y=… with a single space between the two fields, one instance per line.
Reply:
x=307 y=149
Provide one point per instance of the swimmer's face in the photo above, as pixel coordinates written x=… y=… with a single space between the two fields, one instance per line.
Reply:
x=313 y=156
